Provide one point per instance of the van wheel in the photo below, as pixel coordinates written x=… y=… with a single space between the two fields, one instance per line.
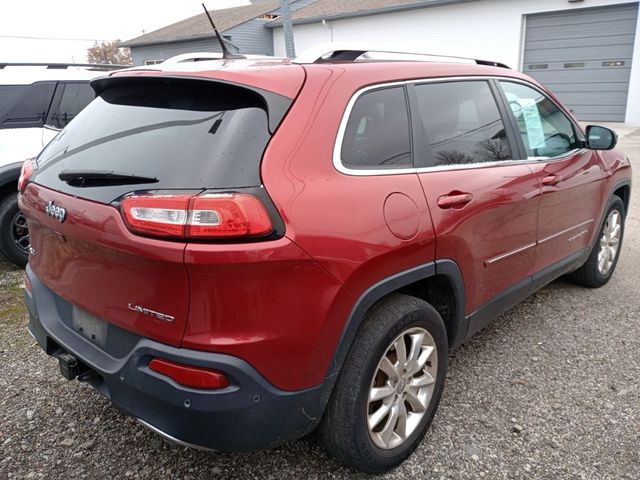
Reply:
x=389 y=387
x=603 y=259
x=14 y=232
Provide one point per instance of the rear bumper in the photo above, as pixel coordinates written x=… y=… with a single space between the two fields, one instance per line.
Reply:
x=248 y=414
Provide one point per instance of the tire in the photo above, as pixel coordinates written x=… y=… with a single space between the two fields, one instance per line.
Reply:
x=591 y=274
x=344 y=429
x=10 y=232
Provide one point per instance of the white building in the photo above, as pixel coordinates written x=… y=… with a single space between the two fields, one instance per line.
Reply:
x=586 y=51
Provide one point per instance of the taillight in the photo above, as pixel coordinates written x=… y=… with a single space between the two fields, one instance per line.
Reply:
x=188 y=375
x=25 y=173
x=199 y=217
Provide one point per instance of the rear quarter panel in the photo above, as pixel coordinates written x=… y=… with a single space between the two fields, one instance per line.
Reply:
x=336 y=218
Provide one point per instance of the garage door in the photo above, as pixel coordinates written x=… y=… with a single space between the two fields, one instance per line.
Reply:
x=584 y=56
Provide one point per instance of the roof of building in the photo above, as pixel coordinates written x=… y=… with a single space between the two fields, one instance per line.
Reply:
x=198 y=26
x=338 y=9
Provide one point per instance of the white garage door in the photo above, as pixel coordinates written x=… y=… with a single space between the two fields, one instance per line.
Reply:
x=584 y=56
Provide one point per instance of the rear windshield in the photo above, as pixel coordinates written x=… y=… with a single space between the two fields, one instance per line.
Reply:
x=187 y=135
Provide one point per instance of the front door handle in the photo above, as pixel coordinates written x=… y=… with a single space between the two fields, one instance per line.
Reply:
x=550 y=180
x=454 y=200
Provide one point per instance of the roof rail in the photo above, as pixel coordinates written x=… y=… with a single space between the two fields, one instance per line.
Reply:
x=348 y=52
x=205 y=56
x=61 y=66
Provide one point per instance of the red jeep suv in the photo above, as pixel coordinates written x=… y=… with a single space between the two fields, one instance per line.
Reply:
x=239 y=252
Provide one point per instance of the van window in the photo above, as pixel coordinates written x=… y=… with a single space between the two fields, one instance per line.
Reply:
x=30 y=108
x=69 y=100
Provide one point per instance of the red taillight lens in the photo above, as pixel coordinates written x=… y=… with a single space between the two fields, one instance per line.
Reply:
x=202 y=216
x=189 y=376
x=25 y=173
x=164 y=216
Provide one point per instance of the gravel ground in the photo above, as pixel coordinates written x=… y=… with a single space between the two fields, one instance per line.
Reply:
x=548 y=391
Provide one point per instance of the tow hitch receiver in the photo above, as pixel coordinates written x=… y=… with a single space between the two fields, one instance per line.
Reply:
x=70 y=367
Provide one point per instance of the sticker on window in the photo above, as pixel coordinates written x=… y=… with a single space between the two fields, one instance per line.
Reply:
x=535 y=132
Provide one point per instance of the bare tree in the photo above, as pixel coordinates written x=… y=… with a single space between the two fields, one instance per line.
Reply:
x=452 y=157
x=491 y=150
x=109 y=52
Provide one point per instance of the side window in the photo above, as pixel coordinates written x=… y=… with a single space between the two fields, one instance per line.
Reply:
x=545 y=130
x=462 y=123
x=30 y=109
x=70 y=99
x=377 y=132
x=8 y=96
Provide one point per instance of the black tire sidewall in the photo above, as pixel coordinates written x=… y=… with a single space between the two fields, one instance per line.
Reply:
x=8 y=210
x=418 y=314
x=616 y=204
x=600 y=279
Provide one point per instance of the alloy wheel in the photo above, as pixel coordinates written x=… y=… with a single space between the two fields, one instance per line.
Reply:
x=20 y=232
x=401 y=388
x=609 y=241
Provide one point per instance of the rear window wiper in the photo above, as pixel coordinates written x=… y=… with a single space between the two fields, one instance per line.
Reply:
x=101 y=178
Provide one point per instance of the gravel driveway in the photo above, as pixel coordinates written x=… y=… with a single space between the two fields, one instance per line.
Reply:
x=549 y=391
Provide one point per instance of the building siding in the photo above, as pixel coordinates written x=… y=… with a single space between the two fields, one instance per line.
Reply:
x=250 y=37
x=167 y=50
x=487 y=29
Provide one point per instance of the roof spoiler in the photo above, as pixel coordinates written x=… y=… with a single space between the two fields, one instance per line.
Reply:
x=345 y=52
x=275 y=105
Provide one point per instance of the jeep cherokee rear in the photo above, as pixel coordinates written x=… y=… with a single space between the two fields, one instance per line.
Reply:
x=239 y=253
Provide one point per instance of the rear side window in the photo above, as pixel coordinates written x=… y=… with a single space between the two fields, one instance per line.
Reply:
x=9 y=94
x=545 y=130
x=462 y=123
x=186 y=134
x=377 y=132
x=69 y=100
x=30 y=108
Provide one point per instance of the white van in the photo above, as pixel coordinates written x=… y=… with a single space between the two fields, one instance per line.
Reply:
x=36 y=101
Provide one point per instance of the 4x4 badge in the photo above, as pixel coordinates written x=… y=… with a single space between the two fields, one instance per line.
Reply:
x=56 y=212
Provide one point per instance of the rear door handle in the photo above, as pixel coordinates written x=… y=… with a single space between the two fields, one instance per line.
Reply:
x=454 y=200
x=550 y=180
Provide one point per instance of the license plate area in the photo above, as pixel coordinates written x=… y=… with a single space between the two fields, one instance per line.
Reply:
x=89 y=326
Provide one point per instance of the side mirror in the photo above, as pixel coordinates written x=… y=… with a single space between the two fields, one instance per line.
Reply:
x=601 y=138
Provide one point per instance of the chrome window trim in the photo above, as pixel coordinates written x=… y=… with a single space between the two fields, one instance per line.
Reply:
x=366 y=171
x=562 y=110
x=337 y=147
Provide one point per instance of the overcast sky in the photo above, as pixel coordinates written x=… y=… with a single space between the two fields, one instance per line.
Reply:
x=61 y=31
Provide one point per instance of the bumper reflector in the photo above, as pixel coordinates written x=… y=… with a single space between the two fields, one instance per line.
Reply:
x=188 y=375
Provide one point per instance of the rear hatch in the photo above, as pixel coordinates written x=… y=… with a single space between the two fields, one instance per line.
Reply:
x=152 y=145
